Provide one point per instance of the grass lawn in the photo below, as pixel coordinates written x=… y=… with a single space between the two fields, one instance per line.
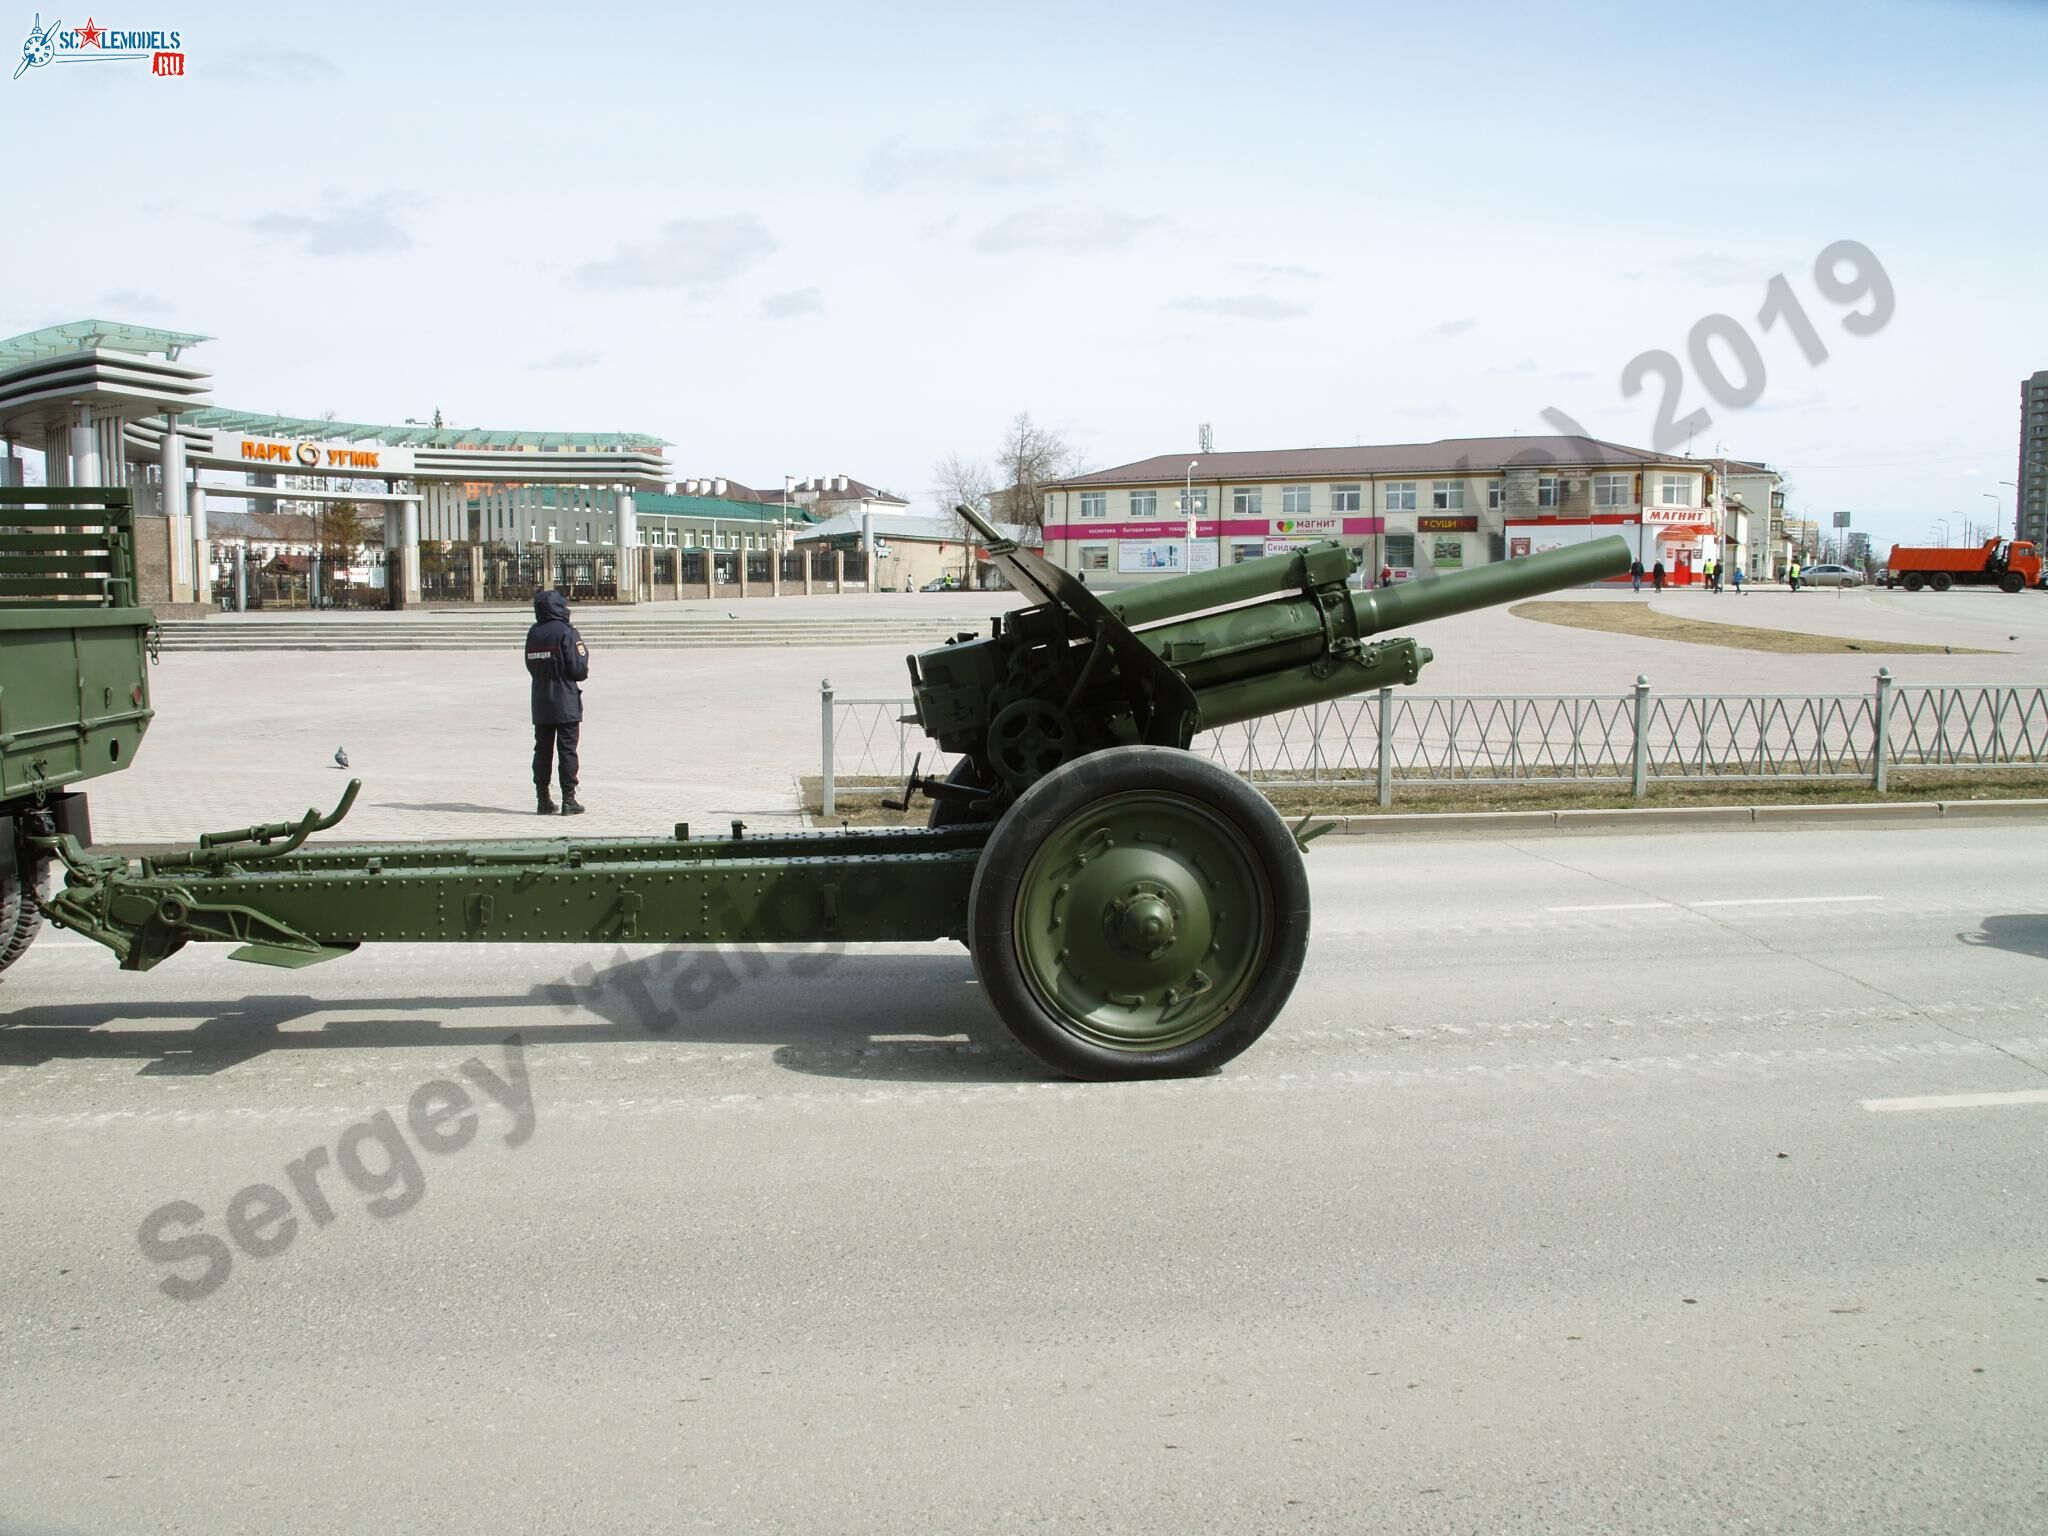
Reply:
x=1641 y=619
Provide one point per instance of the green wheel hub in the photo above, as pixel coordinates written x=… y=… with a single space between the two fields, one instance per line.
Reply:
x=1142 y=920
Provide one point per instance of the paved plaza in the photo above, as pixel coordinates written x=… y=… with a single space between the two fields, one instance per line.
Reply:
x=704 y=735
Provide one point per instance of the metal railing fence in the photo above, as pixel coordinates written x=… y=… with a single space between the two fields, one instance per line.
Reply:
x=1377 y=740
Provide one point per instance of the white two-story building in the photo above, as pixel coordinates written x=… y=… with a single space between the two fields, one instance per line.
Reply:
x=1421 y=509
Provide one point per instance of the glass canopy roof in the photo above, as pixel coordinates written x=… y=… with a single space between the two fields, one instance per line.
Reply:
x=78 y=335
x=412 y=434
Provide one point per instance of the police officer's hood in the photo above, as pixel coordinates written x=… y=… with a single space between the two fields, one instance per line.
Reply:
x=550 y=605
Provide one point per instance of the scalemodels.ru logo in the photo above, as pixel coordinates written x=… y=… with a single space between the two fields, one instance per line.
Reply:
x=95 y=44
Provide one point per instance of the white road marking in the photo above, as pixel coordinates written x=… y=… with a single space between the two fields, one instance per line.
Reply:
x=1959 y=1100
x=1615 y=906
x=1780 y=901
x=1733 y=901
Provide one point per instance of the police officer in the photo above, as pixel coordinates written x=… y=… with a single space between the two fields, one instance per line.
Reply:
x=557 y=660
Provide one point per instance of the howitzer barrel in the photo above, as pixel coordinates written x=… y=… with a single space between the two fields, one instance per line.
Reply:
x=1488 y=586
x=1278 y=655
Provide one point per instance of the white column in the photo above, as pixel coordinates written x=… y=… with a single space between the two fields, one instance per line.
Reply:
x=409 y=521
x=85 y=450
x=627 y=526
x=202 y=570
x=175 y=513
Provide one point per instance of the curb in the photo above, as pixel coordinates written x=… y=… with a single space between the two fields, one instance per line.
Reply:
x=1674 y=818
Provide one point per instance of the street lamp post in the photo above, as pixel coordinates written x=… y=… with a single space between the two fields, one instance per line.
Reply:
x=1187 y=507
x=1999 y=529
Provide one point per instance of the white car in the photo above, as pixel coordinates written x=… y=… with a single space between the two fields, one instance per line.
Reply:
x=1829 y=576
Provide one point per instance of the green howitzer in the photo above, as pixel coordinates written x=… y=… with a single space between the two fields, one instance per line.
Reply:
x=1133 y=910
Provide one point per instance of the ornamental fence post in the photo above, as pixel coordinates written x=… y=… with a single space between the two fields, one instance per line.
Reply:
x=1639 y=783
x=1386 y=765
x=829 y=799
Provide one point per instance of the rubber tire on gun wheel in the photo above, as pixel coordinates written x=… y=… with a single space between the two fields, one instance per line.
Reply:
x=20 y=918
x=1187 y=858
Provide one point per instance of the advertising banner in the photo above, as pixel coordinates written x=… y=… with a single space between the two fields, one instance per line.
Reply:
x=1163 y=557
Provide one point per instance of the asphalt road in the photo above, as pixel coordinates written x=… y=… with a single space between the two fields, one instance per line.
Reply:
x=1675 y=1182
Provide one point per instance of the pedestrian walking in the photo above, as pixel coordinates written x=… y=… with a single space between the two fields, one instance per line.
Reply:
x=558 y=661
x=1635 y=574
x=1657 y=575
x=1792 y=575
x=1386 y=575
x=1738 y=581
x=1707 y=575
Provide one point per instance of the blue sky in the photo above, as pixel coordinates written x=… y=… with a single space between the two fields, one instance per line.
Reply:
x=818 y=239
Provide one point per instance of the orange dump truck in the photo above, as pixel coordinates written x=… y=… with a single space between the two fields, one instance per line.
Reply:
x=2007 y=564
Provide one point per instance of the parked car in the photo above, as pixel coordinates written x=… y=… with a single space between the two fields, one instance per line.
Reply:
x=940 y=584
x=1829 y=576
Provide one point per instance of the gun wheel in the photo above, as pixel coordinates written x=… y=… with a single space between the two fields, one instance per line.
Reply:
x=1139 y=912
x=20 y=918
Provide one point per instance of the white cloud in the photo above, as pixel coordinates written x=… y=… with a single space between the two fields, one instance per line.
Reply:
x=684 y=253
x=1241 y=306
x=1076 y=230
x=1715 y=269
x=1450 y=328
x=1013 y=150
x=793 y=305
x=1278 y=270
x=138 y=302
x=563 y=361
x=364 y=229
x=288 y=66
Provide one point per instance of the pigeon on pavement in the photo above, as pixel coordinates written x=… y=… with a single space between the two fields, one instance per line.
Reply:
x=340 y=758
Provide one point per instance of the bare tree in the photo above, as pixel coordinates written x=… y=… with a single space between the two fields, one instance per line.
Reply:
x=957 y=480
x=1032 y=456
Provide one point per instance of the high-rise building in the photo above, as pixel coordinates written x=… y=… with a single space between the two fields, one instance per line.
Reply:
x=2030 y=515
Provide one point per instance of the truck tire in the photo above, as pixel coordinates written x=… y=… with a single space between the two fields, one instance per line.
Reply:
x=20 y=918
x=2012 y=581
x=1138 y=913
x=1914 y=581
x=1941 y=581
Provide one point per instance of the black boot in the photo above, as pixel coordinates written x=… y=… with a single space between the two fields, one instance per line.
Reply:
x=569 y=805
x=547 y=803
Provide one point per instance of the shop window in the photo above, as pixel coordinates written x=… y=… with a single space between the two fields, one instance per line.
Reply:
x=1239 y=553
x=1401 y=551
x=1094 y=557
